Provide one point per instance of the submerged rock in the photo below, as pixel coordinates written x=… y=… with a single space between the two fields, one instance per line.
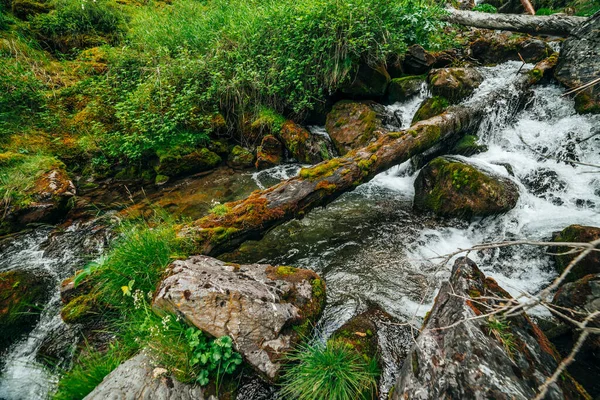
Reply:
x=240 y=158
x=451 y=188
x=23 y=295
x=581 y=234
x=483 y=358
x=352 y=125
x=302 y=145
x=264 y=309
x=578 y=64
x=140 y=379
x=368 y=82
x=454 y=84
x=269 y=153
x=401 y=89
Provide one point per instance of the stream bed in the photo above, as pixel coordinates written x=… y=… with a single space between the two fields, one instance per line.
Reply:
x=369 y=245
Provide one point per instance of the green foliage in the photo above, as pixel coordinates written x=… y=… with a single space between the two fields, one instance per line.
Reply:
x=89 y=369
x=486 y=8
x=4 y=19
x=545 y=11
x=77 y=24
x=501 y=330
x=333 y=371
x=216 y=356
x=219 y=209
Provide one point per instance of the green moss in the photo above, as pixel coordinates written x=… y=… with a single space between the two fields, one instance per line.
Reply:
x=219 y=209
x=586 y=104
x=240 y=157
x=268 y=119
x=286 y=271
x=430 y=108
x=318 y=288
x=79 y=309
x=321 y=170
x=161 y=179
x=182 y=161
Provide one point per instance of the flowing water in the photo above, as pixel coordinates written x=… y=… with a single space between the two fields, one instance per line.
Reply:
x=369 y=244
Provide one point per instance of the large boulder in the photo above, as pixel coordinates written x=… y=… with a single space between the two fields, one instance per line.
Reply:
x=269 y=153
x=494 y=47
x=452 y=188
x=140 y=379
x=302 y=145
x=578 y=64
x=368 y=82
x=580 y=234
x=352 y=125
x=240 y=158
x=264 y=309
x=459 y=356
x=23 y=295
x=454 y=84
x=184 y=161
x=402 y=89
x=430 y=107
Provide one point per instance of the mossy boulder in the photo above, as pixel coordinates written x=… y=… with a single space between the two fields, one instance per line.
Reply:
x=240 y=158
x=35 y=189
x=80 y=309
x=451 y=188
x=368 y=82
x=184 y=161
x=265 y=121
x=302 y=145
x=352 y=125
x=454 y=84
x=401 y=89
x=495 y=47
x=22 y=298
x=430 y=107
x=581 y=234
x=578 y=64
x=269 y=153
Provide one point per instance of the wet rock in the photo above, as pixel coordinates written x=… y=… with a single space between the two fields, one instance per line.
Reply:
x=351 y=125
x=578 y=64
x=582 y=295
x=269 y=153
x=57 y=347
x=264 y=309
x=581 y=234
x=545 y=183
x=180 y=162
x=240 y=158
x=496 y=47
x=360 y=332
x=302 y=145
x=451 y=188
x=23 y=295
x=454 y=84
x=417 y=60
x=430 y=107
x=368 y=82
x=140 y=379
x=479 y=358
x=49 y=197
x=402 y=89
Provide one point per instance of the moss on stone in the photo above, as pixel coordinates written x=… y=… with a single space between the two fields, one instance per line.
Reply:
x=182 y=161
x=79 y=309
x=321 y=170
x=468 y=146
x=240 y=157
x=430 y=107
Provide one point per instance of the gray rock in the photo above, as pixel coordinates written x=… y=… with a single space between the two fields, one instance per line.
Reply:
x=475 y=359
x=258 y=306
x=139 y=379
x=578 y=64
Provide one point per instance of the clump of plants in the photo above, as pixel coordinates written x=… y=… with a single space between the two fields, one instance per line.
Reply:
x=123 y=282
x=329 y=371
x=486 y=8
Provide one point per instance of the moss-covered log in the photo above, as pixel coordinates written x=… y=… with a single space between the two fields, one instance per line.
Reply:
x=560 y=25
x=252 y=217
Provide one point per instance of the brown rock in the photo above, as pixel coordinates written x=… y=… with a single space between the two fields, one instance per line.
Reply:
x=269 y=153
x=351 y=125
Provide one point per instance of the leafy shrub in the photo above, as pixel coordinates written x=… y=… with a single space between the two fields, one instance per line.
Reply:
x=20 y=90
x=76 y=24
x=486 y=8
x=333 y=371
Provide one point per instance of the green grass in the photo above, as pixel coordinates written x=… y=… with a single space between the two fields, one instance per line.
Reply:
x=486 y=8
x=333 y=371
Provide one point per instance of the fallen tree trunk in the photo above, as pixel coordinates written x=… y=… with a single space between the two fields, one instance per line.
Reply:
x=559 y=25
x=250 y=218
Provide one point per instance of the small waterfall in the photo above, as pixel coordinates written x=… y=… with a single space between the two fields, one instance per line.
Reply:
x=57 y=254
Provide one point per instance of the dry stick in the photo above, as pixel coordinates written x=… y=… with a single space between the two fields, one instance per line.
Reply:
x=582 y=87
x=567 y=361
